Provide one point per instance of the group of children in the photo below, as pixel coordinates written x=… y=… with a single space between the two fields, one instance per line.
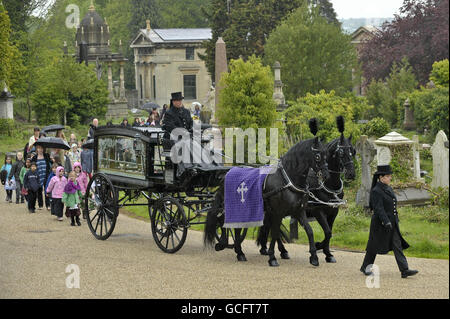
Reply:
x=63 y=190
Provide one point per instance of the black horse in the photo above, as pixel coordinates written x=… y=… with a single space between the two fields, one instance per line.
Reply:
x=284 y=194
x=325 y=198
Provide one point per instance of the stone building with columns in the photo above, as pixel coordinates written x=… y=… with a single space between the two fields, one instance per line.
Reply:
x=359 y=37
x=93 y=33
x=167 y=60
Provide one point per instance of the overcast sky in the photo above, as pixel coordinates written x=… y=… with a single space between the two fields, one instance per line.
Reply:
x=366 y=8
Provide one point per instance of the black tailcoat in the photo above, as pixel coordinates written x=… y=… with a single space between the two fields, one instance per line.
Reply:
x=177 y=117
x=383 y=202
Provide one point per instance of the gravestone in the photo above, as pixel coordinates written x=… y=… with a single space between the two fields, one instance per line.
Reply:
x=408 y=123
x=366 y=152
x=386 y=143
x=440 y=161
x=416 y=153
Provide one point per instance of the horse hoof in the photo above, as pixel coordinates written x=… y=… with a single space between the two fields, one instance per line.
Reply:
x=219 y=247
x=314 y=261
x=273 y=263
x=263 y=251
x=285 y=255
x=241 y=257
x=330 y=259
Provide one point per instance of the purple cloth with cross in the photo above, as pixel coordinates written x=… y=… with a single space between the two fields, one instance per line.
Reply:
x=244 y=206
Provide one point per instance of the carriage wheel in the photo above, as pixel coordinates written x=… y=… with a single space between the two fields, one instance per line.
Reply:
x=101 y=206
x=169 y=225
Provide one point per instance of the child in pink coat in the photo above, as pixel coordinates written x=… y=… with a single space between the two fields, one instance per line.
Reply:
x=56 y=188
x=81 y=177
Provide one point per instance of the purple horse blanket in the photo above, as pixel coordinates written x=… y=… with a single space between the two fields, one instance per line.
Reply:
x=244 y=206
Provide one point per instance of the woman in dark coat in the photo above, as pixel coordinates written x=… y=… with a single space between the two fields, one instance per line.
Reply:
x=384 y=233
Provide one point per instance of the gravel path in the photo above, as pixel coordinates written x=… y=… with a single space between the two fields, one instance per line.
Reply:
x=35 y=251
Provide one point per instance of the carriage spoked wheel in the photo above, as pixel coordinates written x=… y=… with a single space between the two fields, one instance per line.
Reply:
x=169 y=224
x=101 y=206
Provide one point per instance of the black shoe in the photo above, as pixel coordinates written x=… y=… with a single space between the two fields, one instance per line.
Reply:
x=409 y=272
x=367 y=273
x=33 y=211
x=22 y=201
x=78 y=221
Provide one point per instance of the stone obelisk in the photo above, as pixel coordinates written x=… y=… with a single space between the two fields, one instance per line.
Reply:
x=220 y=67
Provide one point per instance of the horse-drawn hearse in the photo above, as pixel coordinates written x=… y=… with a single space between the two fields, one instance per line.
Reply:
x=135 y=162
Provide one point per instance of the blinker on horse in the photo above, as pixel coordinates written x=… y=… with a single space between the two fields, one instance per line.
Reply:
x=285 y=193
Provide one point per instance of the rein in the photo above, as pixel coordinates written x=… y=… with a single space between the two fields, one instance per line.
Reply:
x=289 y=184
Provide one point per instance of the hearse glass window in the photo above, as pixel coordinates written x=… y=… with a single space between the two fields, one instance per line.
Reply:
x=122 y=156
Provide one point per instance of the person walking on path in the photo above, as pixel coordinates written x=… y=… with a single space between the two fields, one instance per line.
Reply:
x=87 y=161
x=56 y=188
x=23 y=171
x=384 y=233
x=15 y=171
x=92 y=128
x=32 y=185
x=8 y=184
x=52 y=174
x=72 y=199
x=33 y=139
x=44 y=165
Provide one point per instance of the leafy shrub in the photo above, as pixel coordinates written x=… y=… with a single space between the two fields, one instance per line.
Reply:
x=7 y=127
x=325 y=107
x=376 y=127
x=440 y=73
x=430 y=107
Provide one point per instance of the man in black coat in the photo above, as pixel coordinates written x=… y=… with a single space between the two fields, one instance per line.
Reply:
x=177 y=115
x=384 y=233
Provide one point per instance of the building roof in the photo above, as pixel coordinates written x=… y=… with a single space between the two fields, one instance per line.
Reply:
x=174 y=35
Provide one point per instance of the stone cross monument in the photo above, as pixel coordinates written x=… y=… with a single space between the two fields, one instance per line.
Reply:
x=366 y=152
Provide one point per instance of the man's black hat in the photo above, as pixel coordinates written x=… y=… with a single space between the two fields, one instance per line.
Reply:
x=177 y=96
x=383 y=170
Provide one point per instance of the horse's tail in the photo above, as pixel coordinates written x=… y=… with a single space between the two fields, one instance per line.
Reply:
x=212 y=218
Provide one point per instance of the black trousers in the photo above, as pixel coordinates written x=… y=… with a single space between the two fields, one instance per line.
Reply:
x=8 y=195
x=31 y=197
x=18 y=190
x=402 y=263
x=40 y=197
x=57 y=207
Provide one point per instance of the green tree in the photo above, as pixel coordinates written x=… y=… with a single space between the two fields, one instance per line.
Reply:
x=314 y=54
x=245 y=24
x=69 y=93
x=440 y=73
x=6 y=53
x=388 y=96
x=246 y=98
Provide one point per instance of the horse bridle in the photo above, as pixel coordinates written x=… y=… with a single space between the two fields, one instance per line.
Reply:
x=340 y=153
x=290 y=184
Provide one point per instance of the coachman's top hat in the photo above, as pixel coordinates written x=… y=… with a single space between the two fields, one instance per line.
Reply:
x=177 y=96
x=383 y=170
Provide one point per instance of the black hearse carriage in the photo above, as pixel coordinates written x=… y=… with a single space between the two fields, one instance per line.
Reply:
x=131 y=162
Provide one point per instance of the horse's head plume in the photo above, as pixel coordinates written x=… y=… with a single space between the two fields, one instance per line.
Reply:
x=313 y=126
x=340 y=123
